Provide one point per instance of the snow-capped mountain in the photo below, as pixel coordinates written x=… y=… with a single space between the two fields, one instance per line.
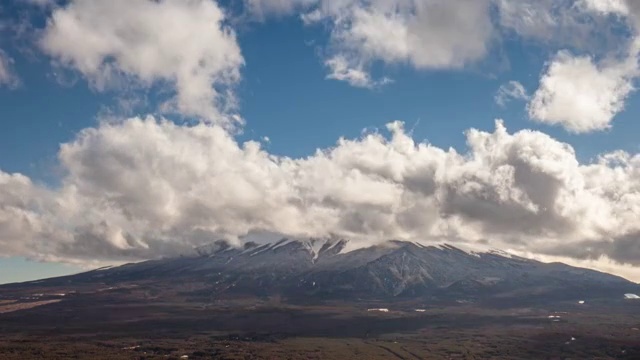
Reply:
x=329 y=268
x=315 y=247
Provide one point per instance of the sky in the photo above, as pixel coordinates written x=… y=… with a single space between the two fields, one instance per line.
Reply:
x=132 y=130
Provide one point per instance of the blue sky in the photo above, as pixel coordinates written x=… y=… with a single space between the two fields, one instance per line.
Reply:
x=285 y=92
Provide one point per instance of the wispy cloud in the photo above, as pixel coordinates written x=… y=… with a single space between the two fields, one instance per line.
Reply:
x=513 y=90
x=8 y=77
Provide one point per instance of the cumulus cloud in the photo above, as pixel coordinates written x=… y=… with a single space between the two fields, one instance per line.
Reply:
x=581 y=95
x=618 y=7
x=584 y=92
x=340 y=69
x=426 y=35
x=423 y=34
x=181 y=44
x=513 y=90
x=440 y=34
x=575 y=24
x=8 y=77
x=537 y=19
x=122 y=198
x=26 y=221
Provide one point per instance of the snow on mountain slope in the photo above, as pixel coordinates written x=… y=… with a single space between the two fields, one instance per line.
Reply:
x=309 y=268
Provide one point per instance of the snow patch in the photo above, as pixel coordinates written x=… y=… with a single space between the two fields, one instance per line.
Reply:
x=314 y=246
x=102 y=268
x=418 y=244
x=501 y=253
x=261 y=249
x=282 y=243
x=250 y=249
x=459 y=248
x=380 y=310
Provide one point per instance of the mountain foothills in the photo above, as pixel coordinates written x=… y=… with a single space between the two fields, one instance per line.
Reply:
x=324 y=299
x=316 y=269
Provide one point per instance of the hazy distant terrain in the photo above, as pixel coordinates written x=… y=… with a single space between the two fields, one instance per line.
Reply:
x=314 y=300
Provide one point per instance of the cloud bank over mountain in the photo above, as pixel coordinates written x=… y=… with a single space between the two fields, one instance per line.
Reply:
x=146 y=187
x=142 y=187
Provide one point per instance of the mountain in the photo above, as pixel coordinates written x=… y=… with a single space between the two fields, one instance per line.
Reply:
x=317 y=269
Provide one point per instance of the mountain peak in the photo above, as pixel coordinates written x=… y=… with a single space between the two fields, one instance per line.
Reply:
x=328 y=246
x=332 y=268
x=316 y=247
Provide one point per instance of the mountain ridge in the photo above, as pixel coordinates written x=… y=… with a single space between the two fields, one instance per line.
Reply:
x=306 y=269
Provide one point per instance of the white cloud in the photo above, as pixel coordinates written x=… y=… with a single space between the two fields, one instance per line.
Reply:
x=426 y=35
x=26 y=221
x=122 y=198
x=619 y=7
x=261 y=9
x=513 y=90
x=584 y=93
x=340 y=69
x=532 y=19
x=441 y=35
x=564 y=23
x=8 y=77
x=42 y=3
x=581 y=95
x=182 y=44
